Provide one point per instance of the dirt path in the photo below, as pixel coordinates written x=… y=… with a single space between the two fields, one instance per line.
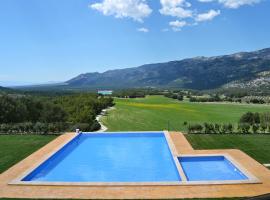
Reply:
x=103 y=128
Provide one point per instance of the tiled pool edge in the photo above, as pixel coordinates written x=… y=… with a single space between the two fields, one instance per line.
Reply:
x=174 y=153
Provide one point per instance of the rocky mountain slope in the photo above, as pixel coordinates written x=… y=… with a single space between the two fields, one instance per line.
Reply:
x=245 y=69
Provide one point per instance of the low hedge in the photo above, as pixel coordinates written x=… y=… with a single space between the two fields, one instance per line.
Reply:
x=46 y=128
x=215 y=128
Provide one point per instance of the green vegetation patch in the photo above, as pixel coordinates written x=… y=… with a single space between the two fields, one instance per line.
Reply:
x=50 y=114
x=154 y=113
x=14 y=148
x=257 y=146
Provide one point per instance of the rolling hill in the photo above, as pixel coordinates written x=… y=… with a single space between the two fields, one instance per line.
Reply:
x=245 y=69
x=5 y=90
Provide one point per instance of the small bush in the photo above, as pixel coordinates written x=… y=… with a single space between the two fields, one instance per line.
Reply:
x=195 y=128
x=244 y=128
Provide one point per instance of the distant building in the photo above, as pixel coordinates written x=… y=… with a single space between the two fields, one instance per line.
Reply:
x=105 y=92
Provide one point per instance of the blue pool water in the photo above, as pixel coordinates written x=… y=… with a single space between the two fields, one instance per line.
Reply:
x=115 y=157
x=210 y=168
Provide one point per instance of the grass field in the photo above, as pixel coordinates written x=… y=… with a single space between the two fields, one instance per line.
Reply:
x=257 y=146
x=154 y=112
x=14 y=148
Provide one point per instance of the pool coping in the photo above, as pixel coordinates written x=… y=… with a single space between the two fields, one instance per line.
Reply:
x=251 y=178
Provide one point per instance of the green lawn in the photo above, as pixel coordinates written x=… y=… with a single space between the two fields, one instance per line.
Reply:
x=154 y=112
x=14 y=148
x=257 y=146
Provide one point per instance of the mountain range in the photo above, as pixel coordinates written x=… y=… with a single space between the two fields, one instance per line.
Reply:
x=242 y=70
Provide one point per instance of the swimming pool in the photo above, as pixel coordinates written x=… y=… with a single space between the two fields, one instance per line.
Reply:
x=131 y=158
x=114 y=157
x=210 y=168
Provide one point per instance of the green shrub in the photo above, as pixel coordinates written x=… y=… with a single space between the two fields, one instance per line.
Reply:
x=255 y=128
x=263 y=128
x=195 y=128
x=244 y=128
x=209 y=128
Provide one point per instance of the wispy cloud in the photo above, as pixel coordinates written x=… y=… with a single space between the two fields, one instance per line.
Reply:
x=135 y=9
x=233 y=3
x=177 y=25
x=144 y=30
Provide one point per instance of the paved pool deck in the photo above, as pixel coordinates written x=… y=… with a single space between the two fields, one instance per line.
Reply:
x=181 y=145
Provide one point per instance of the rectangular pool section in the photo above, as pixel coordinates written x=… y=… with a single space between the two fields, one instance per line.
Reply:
x=132 y=158
x=210 y=168
x=112 y=157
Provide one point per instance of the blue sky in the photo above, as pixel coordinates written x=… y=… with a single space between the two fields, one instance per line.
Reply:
x=42 y=41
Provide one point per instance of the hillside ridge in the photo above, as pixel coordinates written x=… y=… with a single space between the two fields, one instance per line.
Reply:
x=245 y=69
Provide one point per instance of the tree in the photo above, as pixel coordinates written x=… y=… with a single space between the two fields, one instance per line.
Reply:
x=180 y=97
x=250 y=118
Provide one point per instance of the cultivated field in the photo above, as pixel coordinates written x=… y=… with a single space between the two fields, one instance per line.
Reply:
x=154 y=113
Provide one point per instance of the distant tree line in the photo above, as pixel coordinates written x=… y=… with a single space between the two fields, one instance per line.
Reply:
x=218 y=98
x=136 y=93
x=53 y=114
x=256 y=123
x=214 y=98
x=177 y=96
x=130 y=94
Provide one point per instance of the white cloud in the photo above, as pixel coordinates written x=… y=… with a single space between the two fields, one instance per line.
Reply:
x=177 y=25
x=211 y=14
x=135 y=9
x=176 y=8
x=205 y=1
x=144 y=30
x=174 y=3
x=234 y=3
x=237 y=3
